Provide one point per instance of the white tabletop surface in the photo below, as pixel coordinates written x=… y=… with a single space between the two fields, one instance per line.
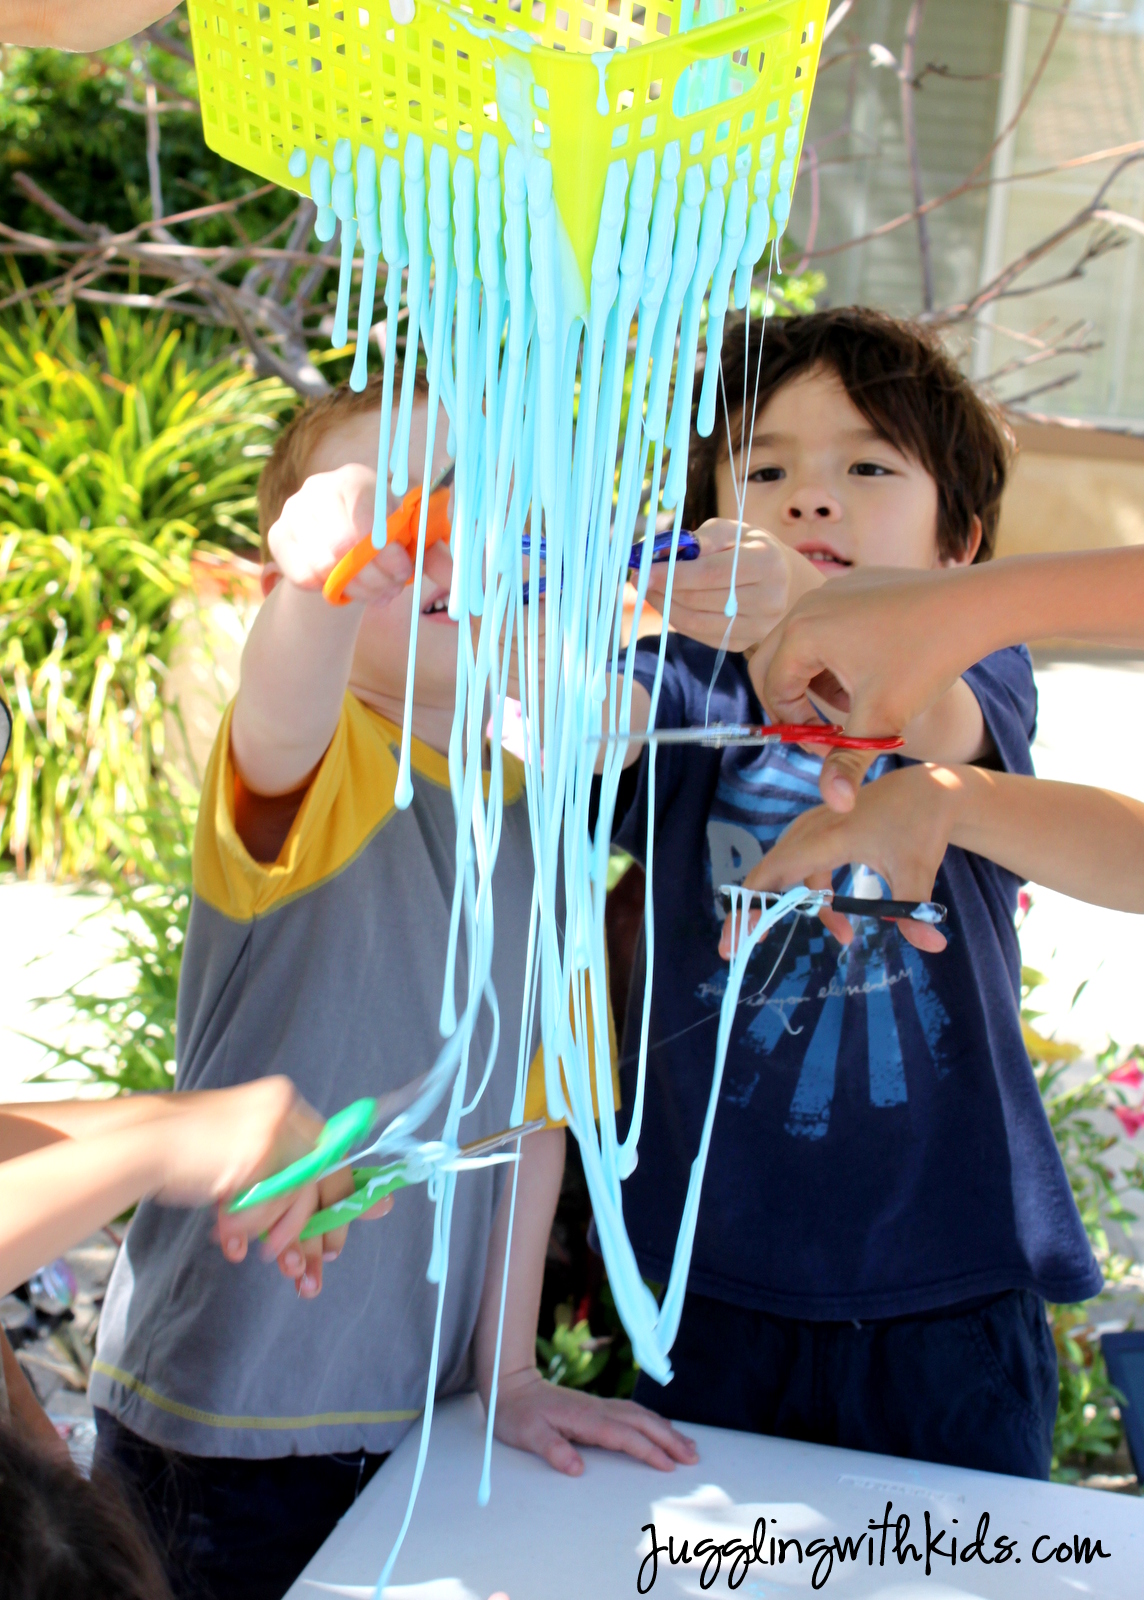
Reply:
x=547 y=1537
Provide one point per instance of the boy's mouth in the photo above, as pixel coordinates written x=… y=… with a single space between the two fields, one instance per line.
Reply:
x=437 y=608
x=823 y=556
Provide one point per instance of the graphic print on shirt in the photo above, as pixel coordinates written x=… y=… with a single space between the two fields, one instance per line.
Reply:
x=827 y=1006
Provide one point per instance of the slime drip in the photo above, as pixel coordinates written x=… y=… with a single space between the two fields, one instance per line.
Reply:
x=600 y=59
x=562 y=427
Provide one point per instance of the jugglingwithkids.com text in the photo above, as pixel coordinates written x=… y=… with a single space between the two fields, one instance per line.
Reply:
x=930 y=1548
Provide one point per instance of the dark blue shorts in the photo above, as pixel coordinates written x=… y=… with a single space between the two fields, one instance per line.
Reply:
x=971 y=1386
x=233 y=1529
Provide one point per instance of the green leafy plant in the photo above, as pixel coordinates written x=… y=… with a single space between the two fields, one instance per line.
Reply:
x=578 y=1358
x=573 y=1356
x=129 y=1040
x=1088 y=1417
x=1088 y=1422
x=115 y=461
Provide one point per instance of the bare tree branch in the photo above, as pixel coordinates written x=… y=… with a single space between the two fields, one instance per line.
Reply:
x=1001 y=286
x=968 y=182
x=165 y=256
x=910 y=134
x=1075 y=341
x=162 y=40
x=839 y=14
x=1043 y=388
x=933 y=69
x=154 y=176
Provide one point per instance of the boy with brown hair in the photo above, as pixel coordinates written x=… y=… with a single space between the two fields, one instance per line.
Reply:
x=248 y=1417
x=885 y=1212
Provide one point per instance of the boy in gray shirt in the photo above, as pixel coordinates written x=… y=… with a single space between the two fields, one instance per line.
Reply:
x=249 y=1417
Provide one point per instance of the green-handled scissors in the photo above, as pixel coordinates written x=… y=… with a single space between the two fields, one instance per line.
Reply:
x=342 y=1132
x=372 y=1184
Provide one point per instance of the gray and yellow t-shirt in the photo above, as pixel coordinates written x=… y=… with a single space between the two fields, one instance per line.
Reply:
x=327 y=966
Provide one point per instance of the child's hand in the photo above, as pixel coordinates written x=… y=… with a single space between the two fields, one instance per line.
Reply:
x=220 y=1141
x=329 y=515
x=533 y=1414
x=879 y=645
x=217 y=1142
x=900 y=826
x=290 y=1127
x=771 y=577
x=76 y=25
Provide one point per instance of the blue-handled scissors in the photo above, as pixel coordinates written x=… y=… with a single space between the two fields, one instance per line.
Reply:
x=689 y=550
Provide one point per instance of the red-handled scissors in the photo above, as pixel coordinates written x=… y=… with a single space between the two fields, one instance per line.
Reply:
x=717 y=735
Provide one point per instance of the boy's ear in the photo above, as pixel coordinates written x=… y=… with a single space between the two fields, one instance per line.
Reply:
x=269 y=576
x=973 y=545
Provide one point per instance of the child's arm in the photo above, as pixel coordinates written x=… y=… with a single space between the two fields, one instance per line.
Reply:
x=27 y=1125
x=885 y=645
x=951 y=731
x=77 y=24
x=185 y=1149
x=771 y=579
x=1088 y=843
x=28 y=1416
x=533 y=1414
x=297 y=660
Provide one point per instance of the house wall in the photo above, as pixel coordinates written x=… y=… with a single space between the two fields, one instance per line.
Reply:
x=1072 y=489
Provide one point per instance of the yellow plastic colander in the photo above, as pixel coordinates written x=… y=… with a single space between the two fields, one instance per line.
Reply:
x=583 y=81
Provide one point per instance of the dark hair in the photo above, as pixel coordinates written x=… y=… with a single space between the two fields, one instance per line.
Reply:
x=62 y=1538
x=903 y=382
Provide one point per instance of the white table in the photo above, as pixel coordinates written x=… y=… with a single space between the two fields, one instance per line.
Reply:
x=547 y=1537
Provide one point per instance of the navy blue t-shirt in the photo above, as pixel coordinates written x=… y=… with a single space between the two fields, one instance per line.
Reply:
x=879 y=1147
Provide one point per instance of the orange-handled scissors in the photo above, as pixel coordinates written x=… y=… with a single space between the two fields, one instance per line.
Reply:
x=400 y=528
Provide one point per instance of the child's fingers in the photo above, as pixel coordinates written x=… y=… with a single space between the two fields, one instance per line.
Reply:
x=286 y=1228
x=836 y=923
x=629 y=1435
x=302 y=1261
x=922 y=935
x=231 y=1235
x=841 y=776
x=384 y=578
x=336 y=1187
x=735 y=928
x=561 y=1454
x=679 y=1446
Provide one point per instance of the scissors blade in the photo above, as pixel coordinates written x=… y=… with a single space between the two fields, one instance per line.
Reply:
x=496 y=1141
x=443 y=479
x=719 y=735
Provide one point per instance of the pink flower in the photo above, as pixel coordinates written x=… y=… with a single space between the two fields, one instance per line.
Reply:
x=1128 y=1072
x=1024 y=900
x=1131 y=1120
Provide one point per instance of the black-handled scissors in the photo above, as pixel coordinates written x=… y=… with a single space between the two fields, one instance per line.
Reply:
x=927 y=911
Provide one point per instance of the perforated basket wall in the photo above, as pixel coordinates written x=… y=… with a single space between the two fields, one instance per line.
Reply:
x=276 y=75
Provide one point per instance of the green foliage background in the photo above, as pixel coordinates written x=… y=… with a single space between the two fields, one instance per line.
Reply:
x=118 y=456
x=62 y=123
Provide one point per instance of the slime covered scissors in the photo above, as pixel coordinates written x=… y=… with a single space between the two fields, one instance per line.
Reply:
x=689 y=549
x=718 y=735
x=348 y=1128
